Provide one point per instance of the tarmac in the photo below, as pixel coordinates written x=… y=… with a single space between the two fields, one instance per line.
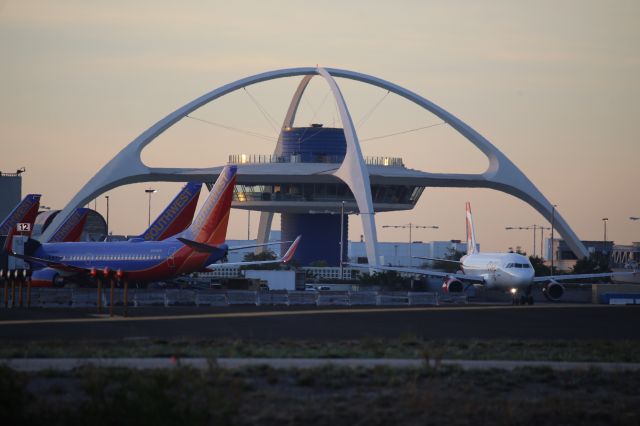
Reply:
x=68 y=364
x=541 y=321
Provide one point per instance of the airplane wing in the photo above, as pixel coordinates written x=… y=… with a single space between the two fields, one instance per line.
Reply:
x=206 y=248
x=60 y=266
x=420 y=271
x=284 y=259
x=270 y=243
x=581 y=276
x=435 y=259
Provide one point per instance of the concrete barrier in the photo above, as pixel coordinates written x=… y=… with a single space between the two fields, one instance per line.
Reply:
x=242 y=297
x=88 y=297
x=302 y=297
x=180 y=297
x=330 y=298
x=52 y=297
x=357 y=298
x=211 y=298
x=422 y=298
x=150 y=298
x=393 y=299
x=273 y=298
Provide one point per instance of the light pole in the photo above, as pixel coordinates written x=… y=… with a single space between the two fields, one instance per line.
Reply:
x=411 y=226
x=534 y=227
x=107 y=198
x=553 y=218
x=150 y=191
x=604 y=240
x=341 y=240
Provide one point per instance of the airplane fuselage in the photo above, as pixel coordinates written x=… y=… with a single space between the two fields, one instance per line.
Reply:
x=505 y=271
x=140 y=261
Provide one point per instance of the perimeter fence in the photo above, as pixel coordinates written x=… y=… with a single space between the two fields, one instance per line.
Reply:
x=87 y=297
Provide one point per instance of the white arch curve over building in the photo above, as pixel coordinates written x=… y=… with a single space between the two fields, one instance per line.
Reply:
x=127 y=166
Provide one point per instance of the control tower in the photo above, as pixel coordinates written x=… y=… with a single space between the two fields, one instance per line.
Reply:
x=311 y=204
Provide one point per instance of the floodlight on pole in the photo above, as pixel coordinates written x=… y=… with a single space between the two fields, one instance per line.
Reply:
x=411 y=226
x=107 y=198
x=604 y=238
x=150 y=191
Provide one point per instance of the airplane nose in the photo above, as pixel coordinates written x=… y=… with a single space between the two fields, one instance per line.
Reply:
x=525 y=277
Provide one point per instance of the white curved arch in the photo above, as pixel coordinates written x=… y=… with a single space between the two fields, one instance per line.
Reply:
x=502 y=174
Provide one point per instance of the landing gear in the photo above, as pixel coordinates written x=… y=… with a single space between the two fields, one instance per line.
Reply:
x=525 y=298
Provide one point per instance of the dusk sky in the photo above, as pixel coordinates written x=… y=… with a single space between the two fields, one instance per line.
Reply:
x=555 y=85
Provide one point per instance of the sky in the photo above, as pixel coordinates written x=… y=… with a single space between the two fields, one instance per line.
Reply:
x=554 y=85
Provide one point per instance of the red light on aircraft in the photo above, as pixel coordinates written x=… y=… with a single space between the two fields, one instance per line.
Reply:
x=106 y=271
x=119 y=274
x=93 y=272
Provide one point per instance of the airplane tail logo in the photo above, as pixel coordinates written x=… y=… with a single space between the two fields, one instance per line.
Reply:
x=25 y=212
x=177 y=216
x=471 y=236
x=210 y=225
x=71 y=230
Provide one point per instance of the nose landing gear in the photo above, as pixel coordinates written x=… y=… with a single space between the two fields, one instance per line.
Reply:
x=525 y=298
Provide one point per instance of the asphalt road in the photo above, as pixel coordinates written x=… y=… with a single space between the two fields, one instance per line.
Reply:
x=463 y=322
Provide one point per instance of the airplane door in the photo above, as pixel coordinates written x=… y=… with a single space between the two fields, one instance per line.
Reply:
x=171 y=259
x=493 y=272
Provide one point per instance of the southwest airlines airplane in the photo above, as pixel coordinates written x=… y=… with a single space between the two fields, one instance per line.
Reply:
x=173 y=220
x=511 y=272
x=138 y=260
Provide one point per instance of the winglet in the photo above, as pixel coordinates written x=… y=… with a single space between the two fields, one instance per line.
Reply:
x=291 y=251
x=471 y=236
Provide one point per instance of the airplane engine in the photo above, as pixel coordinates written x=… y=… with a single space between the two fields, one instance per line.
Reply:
x=553 y=291
x=452 y=285
x=46 y=278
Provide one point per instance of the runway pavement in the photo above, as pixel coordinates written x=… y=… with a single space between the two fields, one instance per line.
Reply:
x=550 y=321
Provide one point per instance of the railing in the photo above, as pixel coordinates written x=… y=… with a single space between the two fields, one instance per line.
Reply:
x=310 y=158
x=86 y=298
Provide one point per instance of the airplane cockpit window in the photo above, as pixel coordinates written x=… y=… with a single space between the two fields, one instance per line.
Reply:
x=510 y=265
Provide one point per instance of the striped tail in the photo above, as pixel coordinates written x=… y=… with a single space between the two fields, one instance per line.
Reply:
x=471 y=235
x=177 y=216
x=24 y=213
x=71 y=229
x=210 y=225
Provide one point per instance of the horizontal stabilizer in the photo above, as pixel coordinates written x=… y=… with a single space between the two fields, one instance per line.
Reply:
x=199 y=247
x=284 y=259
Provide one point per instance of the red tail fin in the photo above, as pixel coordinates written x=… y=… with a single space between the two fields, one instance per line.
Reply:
x=210 y=225
x=24 y=213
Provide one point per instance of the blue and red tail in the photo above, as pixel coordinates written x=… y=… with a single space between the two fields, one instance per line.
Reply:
x=177 y=216
x=71 y=229
x=210 y=225
x=24 y=213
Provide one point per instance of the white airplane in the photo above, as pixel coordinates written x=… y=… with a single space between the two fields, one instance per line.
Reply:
x=511 y=272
